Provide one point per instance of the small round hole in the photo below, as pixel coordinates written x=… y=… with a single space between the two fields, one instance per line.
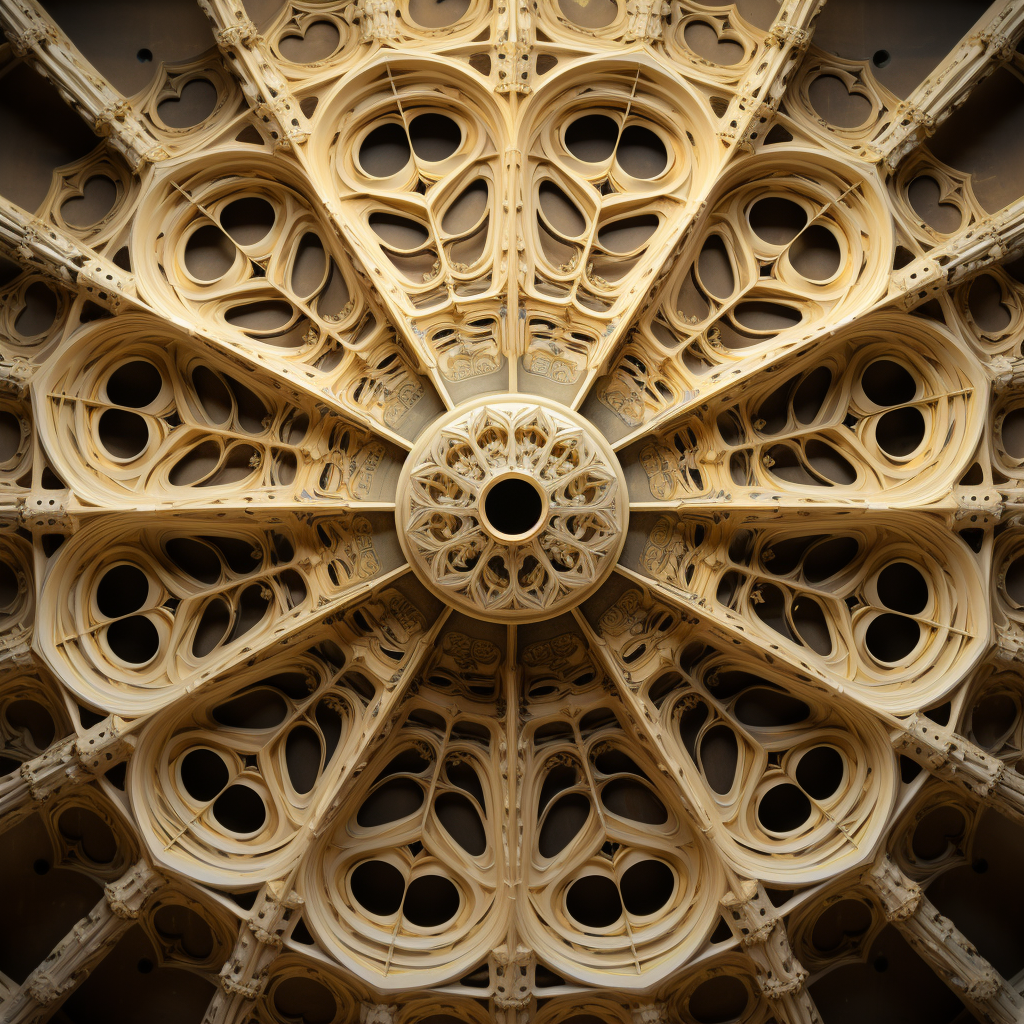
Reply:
x=41 y=866
x=144 y=966
x=880 y=58
x=144 y=56
x=513 y=506
x=881 y=964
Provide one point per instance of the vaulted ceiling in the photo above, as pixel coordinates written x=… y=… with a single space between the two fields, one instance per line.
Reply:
x=511 y=511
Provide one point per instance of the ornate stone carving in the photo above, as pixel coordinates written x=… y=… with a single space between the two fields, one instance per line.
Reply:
x=512 y=510
x=510 y=487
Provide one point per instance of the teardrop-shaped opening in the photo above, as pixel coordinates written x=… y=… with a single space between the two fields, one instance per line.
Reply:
x=560 y=211
x=268 y=315
x=811 y=394
x=759 y=315
x=398 y=232
x=194 y=558
x=630 y=798
x=811 y=625
x=563 y=823
x=309 y=266
x=302 y=757
x=829 y=558
x=466 y=210
x=761 y=707
x=395 y=799
x=462 y=822
x=715 y=268
x=628 y=233
x=212 y=393
x=830 y=463
x=259 y=708
x=212 y=628
x=718 y=757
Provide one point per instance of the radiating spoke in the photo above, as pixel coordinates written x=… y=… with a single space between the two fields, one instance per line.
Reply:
x=508 y=511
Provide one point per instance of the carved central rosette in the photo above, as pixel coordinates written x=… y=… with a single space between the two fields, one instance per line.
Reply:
x=511 y=509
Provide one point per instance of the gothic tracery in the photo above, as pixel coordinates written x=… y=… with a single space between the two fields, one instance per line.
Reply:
x=510 y=513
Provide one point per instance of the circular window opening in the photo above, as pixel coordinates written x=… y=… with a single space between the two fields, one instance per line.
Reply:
x=513 y=507
x=144 y=56
x=880 y=58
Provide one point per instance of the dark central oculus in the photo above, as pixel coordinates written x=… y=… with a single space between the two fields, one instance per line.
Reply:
x=513 y=507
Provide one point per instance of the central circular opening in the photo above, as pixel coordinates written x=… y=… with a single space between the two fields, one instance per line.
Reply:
x=513 y=506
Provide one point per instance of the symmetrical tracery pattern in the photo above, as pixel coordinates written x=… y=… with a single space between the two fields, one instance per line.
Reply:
x=510 y=512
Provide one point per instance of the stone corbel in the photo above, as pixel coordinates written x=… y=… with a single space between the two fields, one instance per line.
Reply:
x=646 y=20
x=650 y=1013
x=781 y=977
x=953 y=758
x=945 y=949
x=512 y=974
x=44 y=248
x=264 y=86
x=83 y=947
x=65 y=764
x=260 y=940
x=34 y=35
x=378 y=1013
x=377 y=20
